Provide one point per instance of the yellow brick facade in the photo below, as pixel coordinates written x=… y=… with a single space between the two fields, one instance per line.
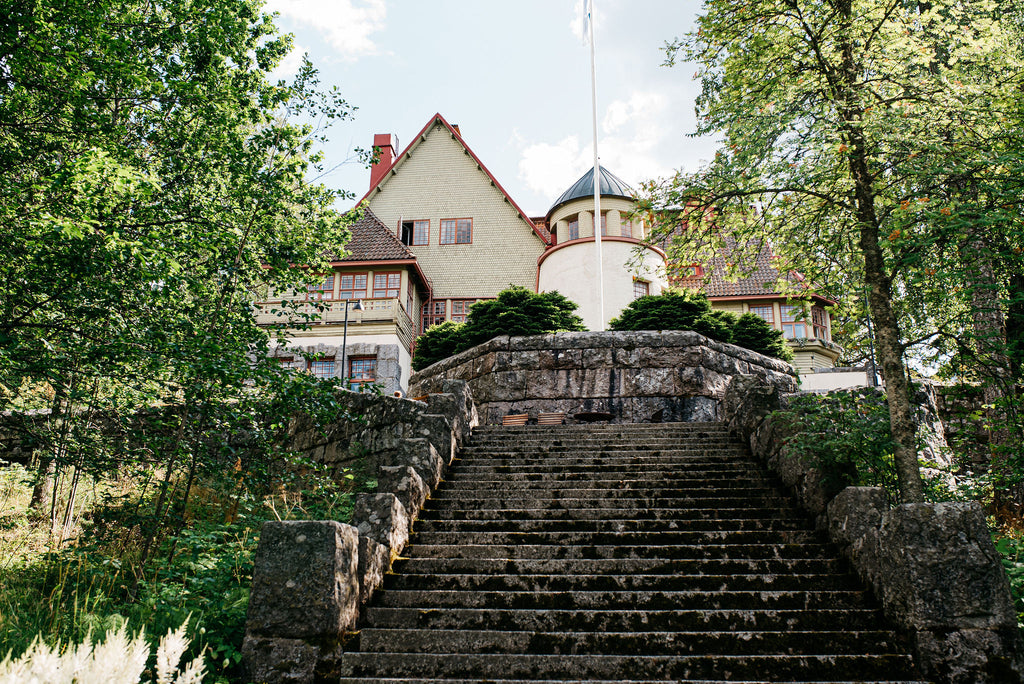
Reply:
x=438 y=179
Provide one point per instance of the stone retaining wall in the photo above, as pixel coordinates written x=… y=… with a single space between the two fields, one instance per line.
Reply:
x=310 y=578
x=933 y=566
x=637 y=377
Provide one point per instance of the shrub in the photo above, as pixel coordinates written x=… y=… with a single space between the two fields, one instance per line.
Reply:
x=438 y=342
x=753 y=332
x=516 y=311
x=667 y=311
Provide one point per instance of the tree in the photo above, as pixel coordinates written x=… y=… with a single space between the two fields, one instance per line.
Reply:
x=673 y=310
x=155 y=182
x=438 y=342
x=753 y=332
x=847 y=125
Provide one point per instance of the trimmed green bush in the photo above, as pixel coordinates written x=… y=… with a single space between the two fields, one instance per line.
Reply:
x=438 y=342
x=753 y=332
x=516 y=311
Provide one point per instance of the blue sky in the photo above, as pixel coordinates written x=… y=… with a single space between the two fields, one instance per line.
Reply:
x=514 y=76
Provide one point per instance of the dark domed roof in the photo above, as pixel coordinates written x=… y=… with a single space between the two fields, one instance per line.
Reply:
x=611 y=186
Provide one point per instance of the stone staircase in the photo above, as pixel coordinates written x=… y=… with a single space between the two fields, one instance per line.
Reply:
x=619 y=553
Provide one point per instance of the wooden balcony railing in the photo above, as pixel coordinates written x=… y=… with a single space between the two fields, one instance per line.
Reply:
x=375 y=311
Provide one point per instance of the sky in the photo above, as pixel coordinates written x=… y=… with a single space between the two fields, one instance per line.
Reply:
x=514 y=76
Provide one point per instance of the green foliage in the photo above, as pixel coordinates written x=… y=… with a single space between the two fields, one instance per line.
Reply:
x=845 y=436
x=688 y=310
x=754 y=333
x=1011 y=550
x=438 y=342
x=515 y=311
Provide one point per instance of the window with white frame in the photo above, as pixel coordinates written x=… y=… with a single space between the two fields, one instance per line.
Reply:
x=321 y=368
x=793 y=325
x=641 y=288
x=323 y=290
x=352 y=285
x=456 y=231
x=386 y=285
x=362 y=370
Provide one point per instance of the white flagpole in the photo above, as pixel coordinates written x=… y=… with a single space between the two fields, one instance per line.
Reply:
x=589 y=4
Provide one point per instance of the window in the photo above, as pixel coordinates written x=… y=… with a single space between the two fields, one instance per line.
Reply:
x=283 y=360
x=766 y=313
x=415 y=232
x=819 y=318
x=386 y=285
x=604 y=225
x=641 y=289
x=433 y=313
x=574 y=229
x=456 y=231
x=627 y=228
x=791 y=326
x=321 y=368
x=460 y=309
x=362 y=370
x=324 y=290
x=353 y=286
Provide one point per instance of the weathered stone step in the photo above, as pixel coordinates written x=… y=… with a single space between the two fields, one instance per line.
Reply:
x=821 y=642
x=626 y=600
x=576 y=498
x=631 y=582
x=640 y=480
x=448 y=680
x=684 y=496
x=668 y=448
x=701 y=464
x=614 y=566
x=628 y=620
x=629 y=667
x=710 y=515
x=602 y=427
x=616 y=522
x=626 y=538
x=524 y=551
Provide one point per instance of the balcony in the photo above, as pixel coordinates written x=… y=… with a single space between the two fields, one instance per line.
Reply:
x=375 y=311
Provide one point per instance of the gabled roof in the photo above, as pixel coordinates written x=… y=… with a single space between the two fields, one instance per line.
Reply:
x=373 y=244
x=400 y=159
x=372 y=241
x=611 y=186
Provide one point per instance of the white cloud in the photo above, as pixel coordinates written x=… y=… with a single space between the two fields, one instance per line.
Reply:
x=635 y=132
x=289 y=66
x=346 y=24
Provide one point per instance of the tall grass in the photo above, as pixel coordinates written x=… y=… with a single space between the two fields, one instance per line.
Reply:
x=203 y=568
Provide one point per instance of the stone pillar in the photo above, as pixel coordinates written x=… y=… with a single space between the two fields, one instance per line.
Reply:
x=305 y=595
x=562 y=231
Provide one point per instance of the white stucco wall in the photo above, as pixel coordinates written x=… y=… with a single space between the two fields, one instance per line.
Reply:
x=572 y=270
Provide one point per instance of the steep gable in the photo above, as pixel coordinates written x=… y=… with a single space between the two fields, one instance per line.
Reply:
x=439 y=180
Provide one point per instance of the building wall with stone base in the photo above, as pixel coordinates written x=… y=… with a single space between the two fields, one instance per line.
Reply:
x=393 y=360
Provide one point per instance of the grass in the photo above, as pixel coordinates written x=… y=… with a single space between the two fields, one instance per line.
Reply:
x=201 y=573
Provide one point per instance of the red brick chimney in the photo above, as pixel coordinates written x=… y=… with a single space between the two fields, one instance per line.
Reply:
x=385 y=145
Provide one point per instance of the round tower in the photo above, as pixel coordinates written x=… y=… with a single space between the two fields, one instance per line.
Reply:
x=631 y=268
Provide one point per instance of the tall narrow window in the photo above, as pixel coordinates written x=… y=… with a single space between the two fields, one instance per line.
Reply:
x=604 y=225
x=792 y=326
x=386 y=285
x=362 y=370
x=415 y=233
x=574 y=229
x=323 y=290
x=627 y=228
x=456 y=231
x=353 y=286
x=819 y=318
x=641 y=288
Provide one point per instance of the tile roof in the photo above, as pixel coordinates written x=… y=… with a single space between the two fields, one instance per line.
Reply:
x=372 y=241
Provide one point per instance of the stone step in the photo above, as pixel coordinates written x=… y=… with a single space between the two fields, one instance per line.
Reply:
x=626 y=600
x=419 y=549
x=617 y=522
x=614 y=566
x=818 y=642
x=635 y=481
x=710 y=515
x=631 y=582
x=576 y=498
x=668 y=448
x=628 y=620
x=584 y=490
x=697 y=465
x=589 y=667
x=626 y=538
x=448 y=680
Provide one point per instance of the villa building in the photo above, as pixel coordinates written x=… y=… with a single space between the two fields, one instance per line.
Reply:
x=439 y=232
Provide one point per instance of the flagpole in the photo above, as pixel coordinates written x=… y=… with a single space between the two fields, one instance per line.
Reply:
x=597 y=171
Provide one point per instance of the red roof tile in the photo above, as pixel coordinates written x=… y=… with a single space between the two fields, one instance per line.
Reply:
x=372 y=241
